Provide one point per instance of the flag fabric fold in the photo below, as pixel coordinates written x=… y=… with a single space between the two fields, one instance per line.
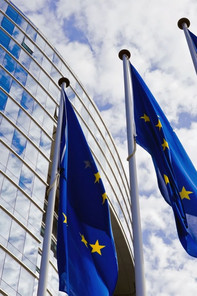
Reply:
x=176 y=175
x=86 y=255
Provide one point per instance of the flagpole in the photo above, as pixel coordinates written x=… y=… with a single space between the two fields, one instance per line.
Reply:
x=135 y=209
x=184 y=24
x=42 y=284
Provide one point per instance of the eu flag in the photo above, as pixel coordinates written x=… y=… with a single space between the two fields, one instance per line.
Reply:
x=86 y=255
x=176 y=175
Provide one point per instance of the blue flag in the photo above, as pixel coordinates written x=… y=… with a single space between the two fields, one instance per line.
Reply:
x=176 y=175
x=86 y=255
x=194 y=39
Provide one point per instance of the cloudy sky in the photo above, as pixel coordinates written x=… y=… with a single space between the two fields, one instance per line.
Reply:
x=89 y=34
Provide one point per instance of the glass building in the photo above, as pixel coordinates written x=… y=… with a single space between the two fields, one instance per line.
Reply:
x=29 y=97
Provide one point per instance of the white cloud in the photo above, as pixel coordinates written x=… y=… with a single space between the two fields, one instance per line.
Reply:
x=28 y=7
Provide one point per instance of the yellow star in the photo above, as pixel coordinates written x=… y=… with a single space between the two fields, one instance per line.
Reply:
x=65 y=218
x=145 y=117
x=165 y=145
x=96 y=248
x=184 y=193
x=87 y=164
x=159 y=125
x=104 y=196
x=83 y=240
x=166 y=179
x=97 y=177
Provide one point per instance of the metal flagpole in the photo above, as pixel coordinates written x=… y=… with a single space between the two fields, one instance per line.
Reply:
x=42 y=284
x=135 y=209
x=184 y=24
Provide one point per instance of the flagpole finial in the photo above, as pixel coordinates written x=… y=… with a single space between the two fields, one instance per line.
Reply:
x=124 y=52
x=64 y=80
x=182 y=21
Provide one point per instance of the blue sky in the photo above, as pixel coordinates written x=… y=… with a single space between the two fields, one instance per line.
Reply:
x=89 y=34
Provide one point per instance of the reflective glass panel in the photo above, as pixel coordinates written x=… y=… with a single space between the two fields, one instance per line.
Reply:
x=22 y=204
x=42 y=166
x=26 y=283
x=14 y=49
x=54 y=91
x=20 y=74
x=27 y=102
x=23 y=117
x=45 y=79
x=1 y=17
x=5 y=224
x=17 y=236
x=3 y=100
x=55 y=74
x=12 y=13
x=21 y=22
x=5 y=80
x=34 y=133
x=4 y=39
x=38 y=56
x=39 y=189
x=40 y=41
x=7 y=25
x=31 y=32
x=2 y=258
x=49 y=51
x=35 y=217
x=11 y=272
x=12 y=110
x=31 y=85
x=17 y=35
x=4 y=152
x=26 y=179
x=46 y=65
x=57 y=62
x=31 y=248
x=3 y=5
x=25 y=59
x=38 y=113
x=6 y=131
x=48 y=124
x=41 y=96
x=14 y=166
x=2 y=53
x=8 y=192
x=34 y=69
x=50 y=106
x=9 y=63
x=1 y=181
x=31 y=155
x=28 y=45
x=45 y=144
x=16 y=91
x=19 y=142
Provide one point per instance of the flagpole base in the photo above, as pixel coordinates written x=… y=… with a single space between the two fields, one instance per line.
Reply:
x=124 y=52
x=64 y=80
x=182 y=21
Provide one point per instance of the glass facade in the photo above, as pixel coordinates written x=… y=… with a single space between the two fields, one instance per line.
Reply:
x=29 y=96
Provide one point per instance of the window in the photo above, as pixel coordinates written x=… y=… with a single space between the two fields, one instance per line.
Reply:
x=7 y=25
x=28 y=45
x=5 y=39
x=3 y=100
x=9 y=63
x=12 y=13
x=5 y=80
